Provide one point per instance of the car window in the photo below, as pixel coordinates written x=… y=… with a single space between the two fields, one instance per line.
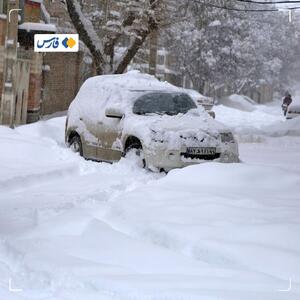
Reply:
x=163 y=103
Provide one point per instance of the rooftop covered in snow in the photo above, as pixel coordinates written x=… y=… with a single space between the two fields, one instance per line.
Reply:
x=27 y=31
x=37 y=27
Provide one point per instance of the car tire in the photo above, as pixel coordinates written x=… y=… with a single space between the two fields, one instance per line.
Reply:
x=136 y=150
x=76 y=145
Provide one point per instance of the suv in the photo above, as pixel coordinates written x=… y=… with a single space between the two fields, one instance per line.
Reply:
x=113 y=115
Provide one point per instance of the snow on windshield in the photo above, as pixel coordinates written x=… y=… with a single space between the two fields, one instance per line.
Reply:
x=163 y=103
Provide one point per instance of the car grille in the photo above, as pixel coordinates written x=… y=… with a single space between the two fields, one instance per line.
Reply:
x=190 y=138
x=201 y=156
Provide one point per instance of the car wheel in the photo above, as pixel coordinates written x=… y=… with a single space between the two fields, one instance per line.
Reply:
x=136 y=152
x=76 y=145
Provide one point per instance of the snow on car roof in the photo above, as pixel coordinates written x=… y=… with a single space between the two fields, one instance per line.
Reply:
x=120 y=90
x=131 y=81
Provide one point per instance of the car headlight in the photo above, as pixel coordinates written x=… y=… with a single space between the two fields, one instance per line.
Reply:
x=227 y=137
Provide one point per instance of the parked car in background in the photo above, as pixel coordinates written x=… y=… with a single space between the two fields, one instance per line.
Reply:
x=114 y=115
x=206 y=102
x=293 y=111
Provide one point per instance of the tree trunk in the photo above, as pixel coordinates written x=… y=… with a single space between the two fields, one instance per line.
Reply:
x=87 y=34
x=153 y=52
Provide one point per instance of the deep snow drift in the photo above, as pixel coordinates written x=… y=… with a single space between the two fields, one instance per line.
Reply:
x=72 y=229
x=261 y=120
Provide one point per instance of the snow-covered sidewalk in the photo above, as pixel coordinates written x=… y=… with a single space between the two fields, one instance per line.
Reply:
x=72 y=229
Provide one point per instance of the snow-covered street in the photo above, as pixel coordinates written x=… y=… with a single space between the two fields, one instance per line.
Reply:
x=72 y=229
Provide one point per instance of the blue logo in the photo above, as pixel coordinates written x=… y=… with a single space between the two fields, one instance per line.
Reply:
x=54 y=43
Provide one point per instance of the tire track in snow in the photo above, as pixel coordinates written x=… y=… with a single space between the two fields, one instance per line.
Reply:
x=36 y=179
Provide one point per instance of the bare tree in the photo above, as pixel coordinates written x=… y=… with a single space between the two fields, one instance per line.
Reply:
x=133 y=24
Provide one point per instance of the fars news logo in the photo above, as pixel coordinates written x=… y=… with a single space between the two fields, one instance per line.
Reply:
x=56 y=43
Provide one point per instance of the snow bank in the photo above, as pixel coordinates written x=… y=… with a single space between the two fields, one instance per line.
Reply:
x=72 y=229
x=283 y=128
x=240 y=102
x=38 y=27
x=254 y=126
x=241 y=221
x=27 y=152
x=243 y=122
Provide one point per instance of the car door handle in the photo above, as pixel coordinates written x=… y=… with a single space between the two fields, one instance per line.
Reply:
x=100 y=123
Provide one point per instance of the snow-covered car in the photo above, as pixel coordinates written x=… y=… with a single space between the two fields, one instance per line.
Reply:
x=113 y=115
x=293 y=111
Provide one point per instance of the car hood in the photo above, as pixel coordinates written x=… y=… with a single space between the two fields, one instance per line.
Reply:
x=183 y=123
x=175 y=130
x=187 y=122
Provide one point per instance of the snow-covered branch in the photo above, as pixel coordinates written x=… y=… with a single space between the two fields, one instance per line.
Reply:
x=87 y=34
x=135 y=20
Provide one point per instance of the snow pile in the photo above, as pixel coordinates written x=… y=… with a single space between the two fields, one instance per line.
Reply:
x=240 y=102
x=263 y=121
x=37 y=27
x=283 y=128
x=282 y=152
x=31 y=152
x=72 y=229
x=243 y=123
x=238 y=222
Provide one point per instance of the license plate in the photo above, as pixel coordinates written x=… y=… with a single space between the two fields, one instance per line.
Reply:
x=201 y=150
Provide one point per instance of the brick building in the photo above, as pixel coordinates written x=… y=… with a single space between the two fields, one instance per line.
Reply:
x=42 y=83
x=63 y=73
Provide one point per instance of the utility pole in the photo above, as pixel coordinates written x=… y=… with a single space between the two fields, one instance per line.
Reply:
x=7 y=105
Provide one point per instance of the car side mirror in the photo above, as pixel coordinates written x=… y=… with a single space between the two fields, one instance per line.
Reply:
x=115 y=113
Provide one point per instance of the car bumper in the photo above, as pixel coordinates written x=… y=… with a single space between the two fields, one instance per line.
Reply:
x=292 y=115
x=172 y=159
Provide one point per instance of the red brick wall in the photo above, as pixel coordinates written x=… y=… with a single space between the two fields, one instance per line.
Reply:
x=2 y=31
x=34 y=95
x=32 y=11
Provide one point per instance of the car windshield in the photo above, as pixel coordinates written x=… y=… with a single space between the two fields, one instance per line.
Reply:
x=163 y=103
